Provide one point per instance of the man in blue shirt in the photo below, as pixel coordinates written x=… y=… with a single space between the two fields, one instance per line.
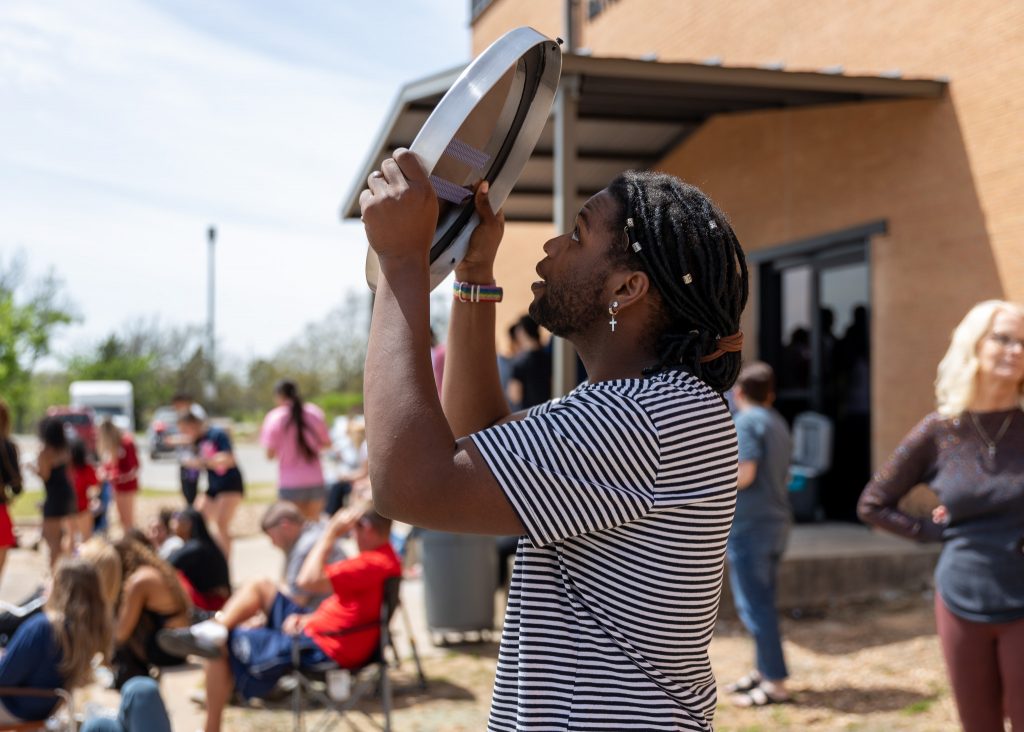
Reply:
x=759 y=531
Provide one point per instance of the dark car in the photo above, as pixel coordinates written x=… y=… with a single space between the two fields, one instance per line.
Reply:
x=79 y=424
x=162 y=430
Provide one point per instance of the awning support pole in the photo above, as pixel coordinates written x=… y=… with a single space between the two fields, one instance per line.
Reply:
x=567 y=205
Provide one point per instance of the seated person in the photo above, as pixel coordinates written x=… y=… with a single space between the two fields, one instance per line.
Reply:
x=289 y=531
x=151 y=599
x=253 y=659
x=141 y=710
x=55 y=648
x=200 y=563
x=96 y=551
x=102 y=555
x=160 y=535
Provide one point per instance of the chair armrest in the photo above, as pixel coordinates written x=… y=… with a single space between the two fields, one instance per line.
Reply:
x=38 y=693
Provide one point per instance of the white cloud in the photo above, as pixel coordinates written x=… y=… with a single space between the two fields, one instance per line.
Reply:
x=129 y=129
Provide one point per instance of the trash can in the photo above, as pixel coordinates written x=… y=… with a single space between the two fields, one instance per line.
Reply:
x=460 y=574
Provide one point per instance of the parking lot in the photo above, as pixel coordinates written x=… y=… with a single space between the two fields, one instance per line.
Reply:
x=162 y=474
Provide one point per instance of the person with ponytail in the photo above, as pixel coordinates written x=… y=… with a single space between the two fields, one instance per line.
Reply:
x=294 y=432
x=623 y=490
x=55 y=648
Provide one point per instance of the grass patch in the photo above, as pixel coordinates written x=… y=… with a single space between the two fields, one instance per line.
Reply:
x=779 y=714
x=919 y=707
x=27 y=505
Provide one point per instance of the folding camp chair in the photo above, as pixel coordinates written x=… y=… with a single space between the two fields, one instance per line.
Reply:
x=311 y=681
x=63 y=699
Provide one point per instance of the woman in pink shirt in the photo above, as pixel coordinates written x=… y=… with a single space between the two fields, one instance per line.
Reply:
x=295 y=433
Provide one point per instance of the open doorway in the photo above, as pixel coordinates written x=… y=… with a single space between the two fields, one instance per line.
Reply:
x=815 y=310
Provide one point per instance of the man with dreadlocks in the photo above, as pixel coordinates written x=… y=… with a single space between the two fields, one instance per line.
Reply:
x=623 y=490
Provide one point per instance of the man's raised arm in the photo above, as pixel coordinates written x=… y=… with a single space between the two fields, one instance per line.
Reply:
x=473 y=399
x=419 y=472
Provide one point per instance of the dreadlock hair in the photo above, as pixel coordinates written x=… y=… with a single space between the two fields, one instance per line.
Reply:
x=289 y=390
x=695 y=264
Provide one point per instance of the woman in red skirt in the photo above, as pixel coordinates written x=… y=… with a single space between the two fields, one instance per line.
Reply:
x=10 y=477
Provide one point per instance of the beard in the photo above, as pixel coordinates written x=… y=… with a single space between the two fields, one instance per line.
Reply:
x=570 y=307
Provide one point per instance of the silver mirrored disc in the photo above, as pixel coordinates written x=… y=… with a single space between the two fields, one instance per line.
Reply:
x=484 y=128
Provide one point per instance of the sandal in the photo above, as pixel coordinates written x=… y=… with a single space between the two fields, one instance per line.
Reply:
x=744 y=683
x=757 y=697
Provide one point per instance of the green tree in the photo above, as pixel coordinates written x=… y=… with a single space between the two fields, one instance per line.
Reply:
x=158 y=361
x=31 y=311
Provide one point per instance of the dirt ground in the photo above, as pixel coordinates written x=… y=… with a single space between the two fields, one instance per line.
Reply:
x=854 y=669
x=858 y=669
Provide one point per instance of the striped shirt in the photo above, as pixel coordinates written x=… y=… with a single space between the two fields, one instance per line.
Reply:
x=626 y=491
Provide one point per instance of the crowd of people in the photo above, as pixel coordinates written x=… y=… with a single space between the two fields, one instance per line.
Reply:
x=627 y=496
x=174 y=572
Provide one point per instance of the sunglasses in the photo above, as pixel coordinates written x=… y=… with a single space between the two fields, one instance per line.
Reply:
x=1004 y=340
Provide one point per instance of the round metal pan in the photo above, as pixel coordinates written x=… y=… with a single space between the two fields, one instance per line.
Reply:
x=484 y=128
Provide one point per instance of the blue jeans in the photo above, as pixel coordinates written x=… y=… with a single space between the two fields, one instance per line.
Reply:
x=142 y=710
x=753 y=569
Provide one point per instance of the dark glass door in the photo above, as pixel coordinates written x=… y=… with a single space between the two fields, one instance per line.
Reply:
x=815 y=310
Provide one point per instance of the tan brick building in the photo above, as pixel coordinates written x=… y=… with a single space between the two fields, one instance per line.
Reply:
x=912 y=208
x=944 y=176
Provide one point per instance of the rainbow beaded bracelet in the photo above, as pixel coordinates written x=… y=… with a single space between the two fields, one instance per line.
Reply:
x=468 y=292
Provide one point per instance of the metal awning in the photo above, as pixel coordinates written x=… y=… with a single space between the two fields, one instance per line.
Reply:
x=630 y=114
x=611 y=114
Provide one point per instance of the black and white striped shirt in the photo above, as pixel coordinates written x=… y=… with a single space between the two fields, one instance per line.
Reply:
x=626 y=490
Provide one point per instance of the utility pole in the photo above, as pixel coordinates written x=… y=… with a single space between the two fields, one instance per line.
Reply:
x=211 y=284
x=566 y=186
x=571 y=26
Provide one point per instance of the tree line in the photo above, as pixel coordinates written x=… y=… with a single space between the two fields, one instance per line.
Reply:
x=325 y=358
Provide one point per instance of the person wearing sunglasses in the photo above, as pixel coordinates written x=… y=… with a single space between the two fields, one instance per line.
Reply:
x=970 y=452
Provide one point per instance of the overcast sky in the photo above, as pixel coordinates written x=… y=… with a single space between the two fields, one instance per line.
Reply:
x=129 y=126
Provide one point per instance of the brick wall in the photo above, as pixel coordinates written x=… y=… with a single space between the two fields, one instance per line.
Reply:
x=502 y=16
x=947 y=175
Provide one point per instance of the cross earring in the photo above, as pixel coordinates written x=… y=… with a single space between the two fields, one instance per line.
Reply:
x=613 y=310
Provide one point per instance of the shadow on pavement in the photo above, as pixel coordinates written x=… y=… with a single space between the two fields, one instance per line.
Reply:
x=406 y=693
x=480 y=649
x=865 y=700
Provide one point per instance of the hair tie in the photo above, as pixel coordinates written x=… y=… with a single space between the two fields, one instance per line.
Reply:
x=723 y=345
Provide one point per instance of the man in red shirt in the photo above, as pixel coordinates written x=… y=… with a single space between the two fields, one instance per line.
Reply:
x=254 y=659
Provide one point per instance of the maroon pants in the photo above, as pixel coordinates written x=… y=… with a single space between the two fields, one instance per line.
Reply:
x=986 y=667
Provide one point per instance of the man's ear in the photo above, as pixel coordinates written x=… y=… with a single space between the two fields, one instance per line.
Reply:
x=630 y=287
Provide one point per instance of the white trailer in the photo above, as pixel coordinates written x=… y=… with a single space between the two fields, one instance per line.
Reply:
x=113 y=399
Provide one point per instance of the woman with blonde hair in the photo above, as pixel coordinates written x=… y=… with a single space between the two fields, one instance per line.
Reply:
x=56 y=648
x=970 y=452
x=102 y=555
x=121 y=469
x=151 y=599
